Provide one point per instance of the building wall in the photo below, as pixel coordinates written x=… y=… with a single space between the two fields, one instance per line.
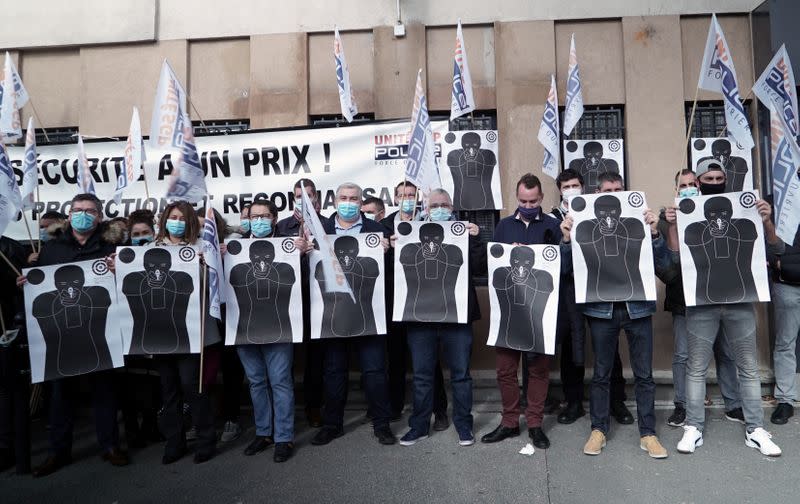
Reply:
x=646 y=63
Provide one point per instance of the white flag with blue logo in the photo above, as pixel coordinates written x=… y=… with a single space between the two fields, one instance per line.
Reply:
x=785 y=182
x=19 y=87
x=132 y=160
x=169 y=111
x=10 y=122
x=346 y=98
x=85 y=181
x=30 y=169
x=573 y=108
x=212 y=256
x=10 y=199
x=776 y=87
x=718 y=74
x=421 y=168
x=548 y=133
x=187 y=182
x=462 y=101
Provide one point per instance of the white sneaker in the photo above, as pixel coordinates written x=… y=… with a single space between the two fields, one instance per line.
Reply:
x=692 y=438
x=230 y=432
x=762 y=441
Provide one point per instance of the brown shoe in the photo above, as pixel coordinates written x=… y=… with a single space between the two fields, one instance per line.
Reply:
x=314 y=417
x=116 y=457
x=653 y=448
x=595 y=444
x=52 y=464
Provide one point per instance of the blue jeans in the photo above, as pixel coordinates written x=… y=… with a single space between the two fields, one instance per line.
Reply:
x=456 y=343
x=269 y=371
x=726 y=366
x=605 y=335
x=372 y=357
x=738 y=323
x=786 y=302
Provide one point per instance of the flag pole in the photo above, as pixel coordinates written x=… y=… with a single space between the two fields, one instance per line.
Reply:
x=2 y=323
x=414 y=212
x=10 y=264
x=689 y=129
x=28 y=227
x=36 y=115
x=202 y=326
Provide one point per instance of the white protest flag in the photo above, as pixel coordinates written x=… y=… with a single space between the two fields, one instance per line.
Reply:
x=785 y=182
x=19 y=87
x=30 y=169
x=169 y=111
x=335 y=281
x=548 y=133
x=776 y=87
x=10 y=199
x=85 y=181
x=421 y=168
x=718 y=74
x=346 y=97
x=132 y=161
x=462 y=102
x=10 y=122
x=209 y=245
x=187 y=181
x=573 y=108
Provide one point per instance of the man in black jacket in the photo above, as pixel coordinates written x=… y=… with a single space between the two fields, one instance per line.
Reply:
x=84 y=238
x=349 y=220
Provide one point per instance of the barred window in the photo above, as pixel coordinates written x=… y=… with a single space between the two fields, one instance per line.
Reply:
x=599 y=123
x=223 y=127
x=334 y=121
x=56 y=136
x=709 y=119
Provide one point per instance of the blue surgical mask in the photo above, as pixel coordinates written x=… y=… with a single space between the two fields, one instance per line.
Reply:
x=689 y=192
x=261 y=227
x=298 y=206
x=407 y=206
x=176 y=227
x=81 y=221
x=43 y=235
x=347 y=210
x=245 y=225
x=440 y=214
x=141 y=240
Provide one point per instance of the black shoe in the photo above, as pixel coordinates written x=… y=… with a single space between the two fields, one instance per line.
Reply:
x=551 y=405
x=396 y=416
x=782 y=414
x=201 y=457
x=325 y=435
x=621 y=413
x=440 y=422
x=735 y=415
x=539 y=438
x=385 y=436
x=500 y=433
x=314 y=417
x=259 y=444
x=116 y=457
x=571 y=413
x=678 y=417
x=51 y=465
x=169 y=458
x=283 y=452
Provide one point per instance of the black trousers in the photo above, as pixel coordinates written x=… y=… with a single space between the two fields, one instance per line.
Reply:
x=15 y=436
x=140 y=395
x=232 y=379
x=180 y=376
x=312 y=374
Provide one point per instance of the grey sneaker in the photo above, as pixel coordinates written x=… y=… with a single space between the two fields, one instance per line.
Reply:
x=191 y=434
x=230 y=432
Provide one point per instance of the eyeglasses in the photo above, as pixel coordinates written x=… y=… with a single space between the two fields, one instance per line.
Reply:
x=260 y=216
x=90 y=211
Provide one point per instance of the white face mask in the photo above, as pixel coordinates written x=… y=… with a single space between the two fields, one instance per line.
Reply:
x=568 y=194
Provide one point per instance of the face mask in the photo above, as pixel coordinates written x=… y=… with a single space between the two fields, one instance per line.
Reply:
x=298 y=206
x=43 y=235
x=407 y=206
x=261 y=227
x=570 y=193
x=81 y=221
x=370 y=216
x=440 y=214
x=176 y=227
x=245 y=225
x=529 y=213
x=347 y=210
x=707 y=189
x=689 y=192
x=141 y=240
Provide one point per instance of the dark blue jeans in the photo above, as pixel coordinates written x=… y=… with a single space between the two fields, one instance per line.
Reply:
x=64 y=395
x=456 y=343
x=605 y=335
x=372 y=357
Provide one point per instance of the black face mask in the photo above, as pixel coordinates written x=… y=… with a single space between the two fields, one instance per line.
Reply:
x=709 y=189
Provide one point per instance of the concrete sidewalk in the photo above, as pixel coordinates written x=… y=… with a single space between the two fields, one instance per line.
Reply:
x=355 y=468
